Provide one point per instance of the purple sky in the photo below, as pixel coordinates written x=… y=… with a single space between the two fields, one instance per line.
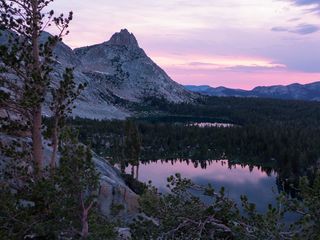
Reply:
x=234 y=43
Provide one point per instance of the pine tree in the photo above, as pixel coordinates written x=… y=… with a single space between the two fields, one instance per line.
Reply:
x=132 y=145
x=61 y=106
x=78 y=182
x=36 y=202
x=26 y=64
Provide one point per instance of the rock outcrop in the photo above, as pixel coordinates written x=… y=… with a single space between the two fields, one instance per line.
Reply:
x=122 y=67
x=113 y=192
x=116 y=72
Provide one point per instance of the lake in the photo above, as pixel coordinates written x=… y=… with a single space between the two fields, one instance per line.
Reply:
x=238 y=180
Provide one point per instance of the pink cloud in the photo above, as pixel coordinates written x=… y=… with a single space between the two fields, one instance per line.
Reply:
x=181 y=34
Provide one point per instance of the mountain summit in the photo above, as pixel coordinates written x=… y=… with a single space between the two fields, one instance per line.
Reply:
x=116 y=72
x=123 y=38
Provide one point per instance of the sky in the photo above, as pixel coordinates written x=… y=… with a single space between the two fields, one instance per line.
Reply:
x=232 y=43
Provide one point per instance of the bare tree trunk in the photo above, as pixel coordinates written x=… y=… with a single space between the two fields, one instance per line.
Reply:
x=132 y=171
x=55 y=142
x=123 y=168
x=137 y=171
x=37 y=150
x=85 y=225
x=84 y=218
x=37 y=120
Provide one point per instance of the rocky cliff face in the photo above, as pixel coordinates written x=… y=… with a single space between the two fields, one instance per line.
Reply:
x=124 y=68
x=112 y=189
x=116 y=70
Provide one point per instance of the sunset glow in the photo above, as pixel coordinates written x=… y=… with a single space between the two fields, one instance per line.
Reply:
x=213 y=62
x=234 y=43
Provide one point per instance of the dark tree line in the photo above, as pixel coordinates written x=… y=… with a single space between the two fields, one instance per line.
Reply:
x=274 y=134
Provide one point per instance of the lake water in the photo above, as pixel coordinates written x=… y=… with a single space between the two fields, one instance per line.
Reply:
x=238 y=180
x=211 y=125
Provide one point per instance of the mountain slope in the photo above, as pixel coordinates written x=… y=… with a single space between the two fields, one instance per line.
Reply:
x=309 y=92
x=122 y=67
x=116 y=72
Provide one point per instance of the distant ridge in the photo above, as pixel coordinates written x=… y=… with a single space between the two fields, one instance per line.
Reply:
x=296 y=91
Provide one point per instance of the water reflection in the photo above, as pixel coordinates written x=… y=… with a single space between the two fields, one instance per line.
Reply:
x=211 y=124
x=260 y=186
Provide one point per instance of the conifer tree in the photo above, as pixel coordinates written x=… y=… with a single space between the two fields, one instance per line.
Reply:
x=78 y=181
x=132 y=145
x=61 y=106
x=42 y=205
x=26 y=64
